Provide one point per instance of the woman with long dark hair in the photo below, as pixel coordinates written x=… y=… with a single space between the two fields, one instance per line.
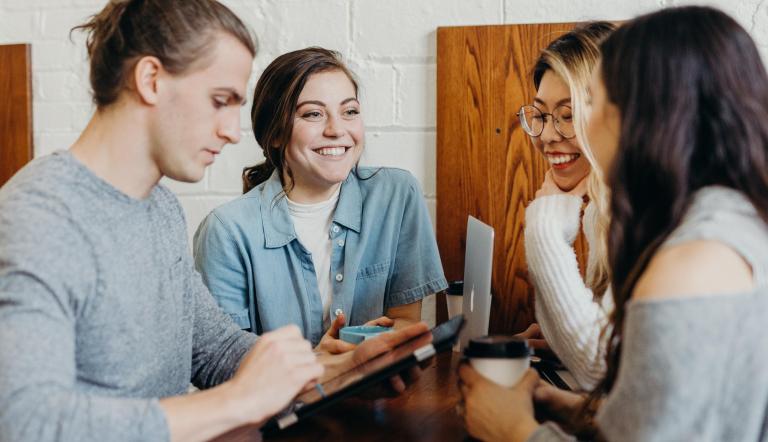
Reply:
x=680 y=122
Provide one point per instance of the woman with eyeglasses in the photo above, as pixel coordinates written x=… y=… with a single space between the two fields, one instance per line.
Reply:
x=688 y=244
x=570 y=311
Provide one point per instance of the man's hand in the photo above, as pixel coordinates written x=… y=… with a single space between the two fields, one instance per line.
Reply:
x=274 y=371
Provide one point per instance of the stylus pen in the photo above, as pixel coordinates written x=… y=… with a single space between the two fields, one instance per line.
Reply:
x=320 y=390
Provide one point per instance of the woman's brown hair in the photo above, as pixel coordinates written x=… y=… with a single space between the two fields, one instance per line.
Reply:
x=274 y=105
x=179 y=33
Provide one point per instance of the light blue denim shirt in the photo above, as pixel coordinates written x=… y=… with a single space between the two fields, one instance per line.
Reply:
x=384 y=254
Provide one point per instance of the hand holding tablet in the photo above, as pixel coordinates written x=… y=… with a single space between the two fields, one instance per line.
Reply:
x=371 y=363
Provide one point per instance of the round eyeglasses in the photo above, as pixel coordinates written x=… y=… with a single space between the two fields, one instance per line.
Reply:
x=533 y=120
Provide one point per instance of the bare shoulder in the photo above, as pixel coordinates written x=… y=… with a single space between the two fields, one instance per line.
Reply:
x=694 y=268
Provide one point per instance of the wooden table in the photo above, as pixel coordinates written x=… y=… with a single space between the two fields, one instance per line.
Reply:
x=425 y=412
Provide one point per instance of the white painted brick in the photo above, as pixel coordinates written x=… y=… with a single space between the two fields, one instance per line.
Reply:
x=94 y=5
x=81 y=115
x=251 y=13
x=757 y=22
x=763 y=53
x=19 y=5
x=286 y=25
x=225 y=173
x=196 y=208
x=51 y=4
x=416 y=95
x=407 y=28
x=412 y=151
x=377 y=90
x=245 y=115
x=48 y=142
x=57 y=55
x=263 y=59
x=520 y=11
x=56 y=24
x=62 y=86
x=52 y=117
x=16 y=27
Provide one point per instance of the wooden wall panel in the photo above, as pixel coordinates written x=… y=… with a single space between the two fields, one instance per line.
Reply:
x=15 y=109
x=486 y=165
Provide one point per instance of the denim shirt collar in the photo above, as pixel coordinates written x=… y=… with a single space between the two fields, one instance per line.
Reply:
x=276 y=220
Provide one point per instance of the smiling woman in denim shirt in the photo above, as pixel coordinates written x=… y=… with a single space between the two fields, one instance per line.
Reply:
x=316 y=240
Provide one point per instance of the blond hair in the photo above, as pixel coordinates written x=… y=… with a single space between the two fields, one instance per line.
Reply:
x=572 y=57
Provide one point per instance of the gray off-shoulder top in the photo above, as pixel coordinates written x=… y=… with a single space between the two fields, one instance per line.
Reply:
x=696 y=368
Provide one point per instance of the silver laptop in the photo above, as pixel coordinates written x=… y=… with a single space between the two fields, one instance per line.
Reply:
x=478 y=265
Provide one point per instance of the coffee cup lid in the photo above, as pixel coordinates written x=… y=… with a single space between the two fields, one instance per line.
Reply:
x=455 y=288
x=497 y=347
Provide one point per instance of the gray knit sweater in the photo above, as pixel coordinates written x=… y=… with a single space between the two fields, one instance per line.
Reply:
x=696 y=369
x=101 y=311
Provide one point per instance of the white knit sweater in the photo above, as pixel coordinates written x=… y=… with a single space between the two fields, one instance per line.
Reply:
x=570 y=317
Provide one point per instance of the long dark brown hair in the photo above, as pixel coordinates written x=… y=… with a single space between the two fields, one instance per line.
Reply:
x=274 y=106
x=179 y=33
x=692 y=93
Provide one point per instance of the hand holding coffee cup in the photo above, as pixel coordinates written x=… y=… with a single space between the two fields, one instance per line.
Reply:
x=502 y=359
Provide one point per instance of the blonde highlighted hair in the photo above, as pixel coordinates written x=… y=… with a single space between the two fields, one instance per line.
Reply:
x=572 y=57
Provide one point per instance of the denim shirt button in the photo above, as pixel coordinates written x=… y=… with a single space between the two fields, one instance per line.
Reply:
x=335 y=229
x=339 y=277
x=338 y=312
x=340 y=243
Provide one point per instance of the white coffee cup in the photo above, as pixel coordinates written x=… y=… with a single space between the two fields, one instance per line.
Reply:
x=453 y=298
x=502 y=359
x=454 y=304
x=453 y=301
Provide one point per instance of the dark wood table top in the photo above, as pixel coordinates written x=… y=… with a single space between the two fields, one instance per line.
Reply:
x=425 y=412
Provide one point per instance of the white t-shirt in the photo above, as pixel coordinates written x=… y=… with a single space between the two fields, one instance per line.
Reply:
x=313 y=227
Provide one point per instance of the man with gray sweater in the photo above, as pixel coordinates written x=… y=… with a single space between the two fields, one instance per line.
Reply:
x=103 y=319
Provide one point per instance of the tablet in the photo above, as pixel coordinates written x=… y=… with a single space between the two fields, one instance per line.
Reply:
x=406 y=355
x=553 y=373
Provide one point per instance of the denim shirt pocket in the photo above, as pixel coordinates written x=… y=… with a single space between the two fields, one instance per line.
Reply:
x=241 y=318
x=375 y=271
x=370 y=291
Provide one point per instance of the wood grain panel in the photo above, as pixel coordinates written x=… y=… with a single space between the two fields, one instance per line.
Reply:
x=486 y=165
x=15 y=109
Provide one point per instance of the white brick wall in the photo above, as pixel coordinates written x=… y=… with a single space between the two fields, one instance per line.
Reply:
x=390 y=44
